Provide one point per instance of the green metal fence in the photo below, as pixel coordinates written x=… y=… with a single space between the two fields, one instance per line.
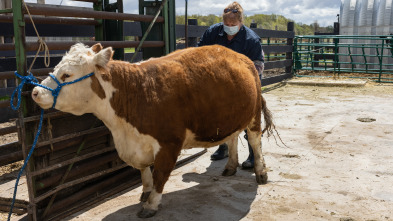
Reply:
x=355 y=56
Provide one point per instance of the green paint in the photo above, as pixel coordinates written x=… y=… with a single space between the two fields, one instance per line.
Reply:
x=4 y=98
x=8 y=10
x=99 y=29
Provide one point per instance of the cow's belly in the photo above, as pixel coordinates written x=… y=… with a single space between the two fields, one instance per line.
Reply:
x=137 y=150
x=191 y=141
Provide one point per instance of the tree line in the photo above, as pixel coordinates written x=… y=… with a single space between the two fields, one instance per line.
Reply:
x=271 y=22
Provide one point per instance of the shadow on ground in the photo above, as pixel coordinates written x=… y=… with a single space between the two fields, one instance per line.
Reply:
x=210 y=197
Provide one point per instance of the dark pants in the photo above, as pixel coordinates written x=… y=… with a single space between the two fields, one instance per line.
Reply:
x=251 y=155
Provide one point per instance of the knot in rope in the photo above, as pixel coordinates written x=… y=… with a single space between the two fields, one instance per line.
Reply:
x=43 y=47
x=29 y=79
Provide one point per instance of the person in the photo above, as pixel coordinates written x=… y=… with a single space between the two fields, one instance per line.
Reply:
x=233 y=34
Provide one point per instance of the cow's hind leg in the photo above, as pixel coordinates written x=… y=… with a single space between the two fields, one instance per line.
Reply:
x=254 y=138
x=147 y=181
x=164 y=163
x=232 y=164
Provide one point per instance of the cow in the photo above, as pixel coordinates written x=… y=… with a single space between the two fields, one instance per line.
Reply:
x=195 y=97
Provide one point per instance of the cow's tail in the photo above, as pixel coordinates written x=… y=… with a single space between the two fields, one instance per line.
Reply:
x=269 y=125
x=267 y=115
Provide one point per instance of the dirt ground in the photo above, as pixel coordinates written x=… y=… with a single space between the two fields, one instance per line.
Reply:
x=337 y=166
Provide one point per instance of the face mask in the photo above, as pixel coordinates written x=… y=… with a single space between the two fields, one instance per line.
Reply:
x=231 y=30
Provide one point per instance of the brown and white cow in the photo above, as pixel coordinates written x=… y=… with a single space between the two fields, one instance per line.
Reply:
x=196 y=97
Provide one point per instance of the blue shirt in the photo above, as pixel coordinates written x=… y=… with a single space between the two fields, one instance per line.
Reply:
x=246 y=41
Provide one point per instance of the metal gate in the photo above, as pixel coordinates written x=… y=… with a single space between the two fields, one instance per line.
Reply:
x=369 y=55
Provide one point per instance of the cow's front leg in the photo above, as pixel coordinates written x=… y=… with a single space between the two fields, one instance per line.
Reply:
x=164 y=163
x=232 y=164
x=147 y=182
x=254 y=138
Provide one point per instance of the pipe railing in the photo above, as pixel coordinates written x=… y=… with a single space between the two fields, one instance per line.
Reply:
x=372 y=55
x=50 y=10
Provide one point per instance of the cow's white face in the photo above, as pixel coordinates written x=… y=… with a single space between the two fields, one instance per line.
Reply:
x=78 y=62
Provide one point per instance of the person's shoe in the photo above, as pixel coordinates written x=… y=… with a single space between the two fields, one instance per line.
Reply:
x=221 y=152
x=249 y=163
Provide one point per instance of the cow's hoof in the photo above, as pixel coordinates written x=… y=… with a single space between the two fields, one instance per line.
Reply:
x=261 y=178
x=146 y=213
x=229 y=172
x=144 y=196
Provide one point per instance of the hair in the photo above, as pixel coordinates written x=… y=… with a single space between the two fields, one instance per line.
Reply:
x=230 y=16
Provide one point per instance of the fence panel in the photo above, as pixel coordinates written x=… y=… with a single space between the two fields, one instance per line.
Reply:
x=369 y=55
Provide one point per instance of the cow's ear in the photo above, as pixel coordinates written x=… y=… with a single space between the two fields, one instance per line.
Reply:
x=102 y=57
x=96 y=48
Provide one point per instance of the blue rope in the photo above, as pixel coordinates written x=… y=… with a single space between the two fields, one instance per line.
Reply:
x=56 y=91
x=25 y=163
x=30 y=79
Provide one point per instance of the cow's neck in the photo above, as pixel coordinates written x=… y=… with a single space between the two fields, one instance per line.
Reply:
x=120 y=83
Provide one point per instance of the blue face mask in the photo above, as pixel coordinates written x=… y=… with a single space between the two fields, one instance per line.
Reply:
x=231 y=30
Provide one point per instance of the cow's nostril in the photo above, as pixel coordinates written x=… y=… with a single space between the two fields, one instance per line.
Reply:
x=34 y=94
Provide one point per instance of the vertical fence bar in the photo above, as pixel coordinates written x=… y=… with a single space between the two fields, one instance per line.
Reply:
x=24 y=136
x=186 y=24
x=166 y=28
x=365 y=59
x=316 y=48
x=381 y=62
x=290 y=27
x=172 y=25
x=335 y=62
x=268 y=54
x=350 y=56
x=324 y=57
x=379 y=58
x=99 y=29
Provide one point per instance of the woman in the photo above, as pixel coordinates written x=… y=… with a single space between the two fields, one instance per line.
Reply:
x=233 y=34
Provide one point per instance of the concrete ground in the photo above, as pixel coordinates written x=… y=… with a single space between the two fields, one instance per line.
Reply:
x=338 y=165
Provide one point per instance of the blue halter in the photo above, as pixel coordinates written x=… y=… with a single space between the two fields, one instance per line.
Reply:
x=30 y=79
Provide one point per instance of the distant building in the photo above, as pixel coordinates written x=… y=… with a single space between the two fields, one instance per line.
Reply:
x=366 y=17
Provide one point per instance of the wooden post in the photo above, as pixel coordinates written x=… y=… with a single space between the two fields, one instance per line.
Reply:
x=4 y=4
x=186 y=26
x=192 y=41
x=316 y=56
x=336 y=28
x=290 y=27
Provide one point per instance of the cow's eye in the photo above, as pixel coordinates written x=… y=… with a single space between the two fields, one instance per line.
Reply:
x=64 y=77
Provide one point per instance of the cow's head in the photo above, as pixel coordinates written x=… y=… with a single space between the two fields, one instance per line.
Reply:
x=77 y=63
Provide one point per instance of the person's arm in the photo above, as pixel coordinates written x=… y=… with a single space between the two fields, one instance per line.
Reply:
x=255 y=52
x=257 y=56
x=206 y=38
x=260 y=66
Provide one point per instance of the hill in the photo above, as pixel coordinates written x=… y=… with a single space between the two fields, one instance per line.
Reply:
x=272 y=22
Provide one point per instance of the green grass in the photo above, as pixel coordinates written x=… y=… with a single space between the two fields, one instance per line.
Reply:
x=129 y=50
x=4 y=98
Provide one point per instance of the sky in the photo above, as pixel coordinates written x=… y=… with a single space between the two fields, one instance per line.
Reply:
x=301 y=11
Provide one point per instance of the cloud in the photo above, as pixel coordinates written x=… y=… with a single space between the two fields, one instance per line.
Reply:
x=304 y=11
